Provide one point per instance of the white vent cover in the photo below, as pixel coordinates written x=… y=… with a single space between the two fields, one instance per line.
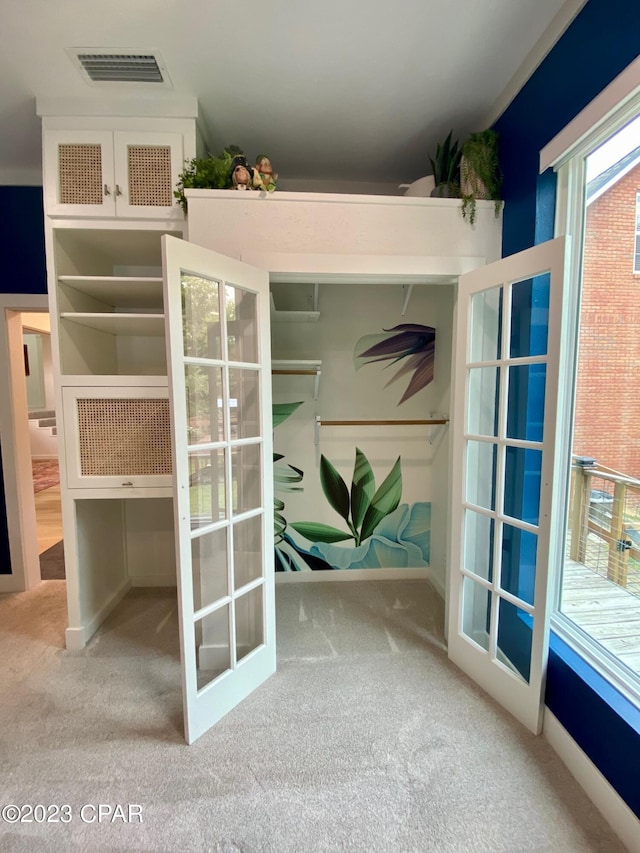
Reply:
x=101 y=66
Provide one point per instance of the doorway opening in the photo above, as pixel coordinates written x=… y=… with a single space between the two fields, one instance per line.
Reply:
x=43 y=442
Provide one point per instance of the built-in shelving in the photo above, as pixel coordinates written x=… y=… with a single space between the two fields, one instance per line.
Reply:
x=140 y=325
x=123 y=292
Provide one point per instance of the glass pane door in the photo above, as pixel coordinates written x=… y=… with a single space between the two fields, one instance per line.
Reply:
x=218 y=327
x=503 y=431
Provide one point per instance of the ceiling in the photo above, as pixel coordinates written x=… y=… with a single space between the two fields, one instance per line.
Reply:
x=347 y=90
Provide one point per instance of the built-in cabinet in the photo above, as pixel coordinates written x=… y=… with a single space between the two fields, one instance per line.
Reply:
x=108 y=196
x=123 y=173
x=114 y=351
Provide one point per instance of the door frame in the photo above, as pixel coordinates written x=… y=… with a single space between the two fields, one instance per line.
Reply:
x=14 y=441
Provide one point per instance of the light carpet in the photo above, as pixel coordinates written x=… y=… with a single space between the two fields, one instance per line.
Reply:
x=367 y=739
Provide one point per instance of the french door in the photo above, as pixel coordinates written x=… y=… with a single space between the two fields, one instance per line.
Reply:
x=503 y=434
x=220 y=385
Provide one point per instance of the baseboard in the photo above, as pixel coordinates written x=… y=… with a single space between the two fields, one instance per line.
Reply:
x=155 y=579
x=612 y=807
x=353 y=575
x=77 y=638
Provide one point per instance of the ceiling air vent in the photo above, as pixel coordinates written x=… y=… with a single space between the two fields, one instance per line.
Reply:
x=120 y=66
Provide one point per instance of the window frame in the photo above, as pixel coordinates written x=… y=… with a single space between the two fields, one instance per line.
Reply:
x=636 y=252
x=570 y=221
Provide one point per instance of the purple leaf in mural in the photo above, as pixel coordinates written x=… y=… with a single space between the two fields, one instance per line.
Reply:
x=409 y=341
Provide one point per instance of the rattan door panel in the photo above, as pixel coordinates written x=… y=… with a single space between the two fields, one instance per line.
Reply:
x=147 y=166
x=117 y=437
x=112 y=174
x=78 y=173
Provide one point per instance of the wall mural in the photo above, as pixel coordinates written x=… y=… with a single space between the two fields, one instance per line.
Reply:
x=410 y=341
x=377 y=531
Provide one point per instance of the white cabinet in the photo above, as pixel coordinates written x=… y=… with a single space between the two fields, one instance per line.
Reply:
x=108 y=302
x=104 y=173
x=117 y=437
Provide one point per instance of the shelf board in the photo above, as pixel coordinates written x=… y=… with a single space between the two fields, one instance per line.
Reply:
x=120 y=291
x=296 y=364
x=295 y=316
x=140 y=325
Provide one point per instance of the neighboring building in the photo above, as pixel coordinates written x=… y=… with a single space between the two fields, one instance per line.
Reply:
x=608 y=390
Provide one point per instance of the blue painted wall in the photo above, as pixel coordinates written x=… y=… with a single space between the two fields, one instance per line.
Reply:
x=23 y=271
x=599 y=44
x=603 y=39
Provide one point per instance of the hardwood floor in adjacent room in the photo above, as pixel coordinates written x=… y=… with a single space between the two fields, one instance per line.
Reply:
x=48 y=517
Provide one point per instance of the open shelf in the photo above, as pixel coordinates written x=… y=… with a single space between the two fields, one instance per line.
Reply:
x=123 y=292
x=139 y=325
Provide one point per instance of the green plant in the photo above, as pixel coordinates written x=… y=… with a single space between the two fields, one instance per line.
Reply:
x=206 y=173
x=480 y=174
x=362 y=509
x=446 y=165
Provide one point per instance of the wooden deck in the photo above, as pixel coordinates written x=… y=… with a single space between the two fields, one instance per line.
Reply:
x=609 y=613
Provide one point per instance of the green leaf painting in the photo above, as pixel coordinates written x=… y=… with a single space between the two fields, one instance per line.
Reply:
x=285 y=477
x=384 y=502
x=316 y=532
x=362 y=508
x=281 y=411
x=334 y=488
x=362 y=488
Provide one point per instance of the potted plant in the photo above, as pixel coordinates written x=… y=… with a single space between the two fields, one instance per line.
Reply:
x=480 y=175
x=206 y=173
x=446 y=169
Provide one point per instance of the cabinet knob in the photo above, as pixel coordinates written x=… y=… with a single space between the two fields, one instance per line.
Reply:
x=118 y=190
x=107 y=191
x=127 y=484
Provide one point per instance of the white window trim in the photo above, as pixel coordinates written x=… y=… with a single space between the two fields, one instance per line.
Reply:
x=636 y=246
x=570 y=215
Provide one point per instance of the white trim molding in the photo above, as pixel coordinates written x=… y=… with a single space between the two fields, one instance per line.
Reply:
x=619 y=95
x=614 y=810
x=14 y=441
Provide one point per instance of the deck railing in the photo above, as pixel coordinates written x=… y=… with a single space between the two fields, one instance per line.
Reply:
x=604 y=522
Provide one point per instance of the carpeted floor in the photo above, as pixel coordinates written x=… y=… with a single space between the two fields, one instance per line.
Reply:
x=52 y=563
x=367 y=739
x=46 y=473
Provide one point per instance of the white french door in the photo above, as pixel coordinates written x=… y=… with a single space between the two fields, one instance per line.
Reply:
x=503 y=433
x=220 y=385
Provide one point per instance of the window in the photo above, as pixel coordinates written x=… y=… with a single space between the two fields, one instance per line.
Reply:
x=598 y=596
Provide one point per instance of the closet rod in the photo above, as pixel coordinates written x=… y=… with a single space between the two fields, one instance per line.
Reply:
x=436 y=422
x=429 y=421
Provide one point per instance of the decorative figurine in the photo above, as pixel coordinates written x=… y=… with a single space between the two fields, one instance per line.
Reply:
x=240 y=178
x=244 y=176
x=267 y=176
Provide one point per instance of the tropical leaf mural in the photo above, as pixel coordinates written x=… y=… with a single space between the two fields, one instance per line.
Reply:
x=285 y=477
x=368 y=513
x=409 y=343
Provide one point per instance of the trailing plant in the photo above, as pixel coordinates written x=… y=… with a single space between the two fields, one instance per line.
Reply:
x=446 y=166
x=362 y=507
x=480 y=174
x=206 y=173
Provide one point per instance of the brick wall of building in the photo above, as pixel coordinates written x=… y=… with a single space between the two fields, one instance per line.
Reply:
x=607 y=420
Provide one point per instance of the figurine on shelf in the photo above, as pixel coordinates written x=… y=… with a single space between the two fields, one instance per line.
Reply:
x=244 y=176
x=240 y=178
x=267 y=176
